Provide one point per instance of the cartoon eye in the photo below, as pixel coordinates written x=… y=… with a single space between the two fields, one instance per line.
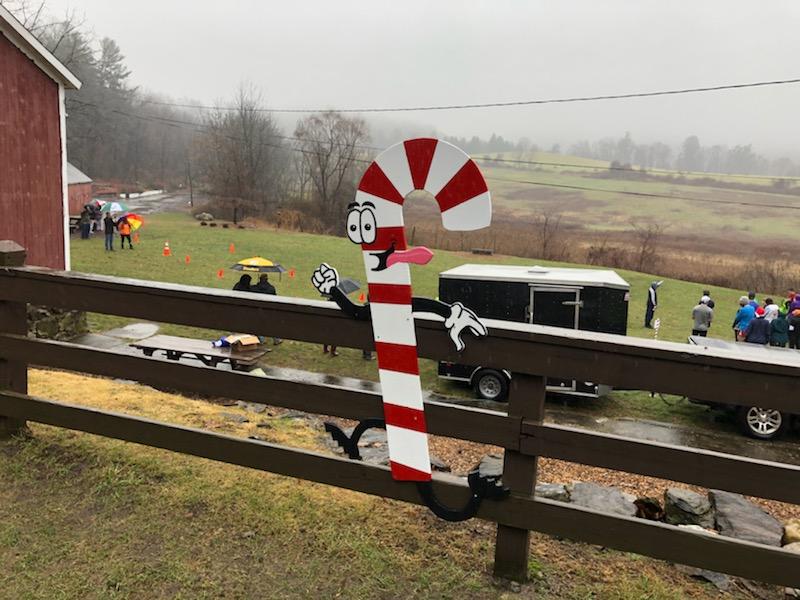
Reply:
x=368 y=226
x=354 y=226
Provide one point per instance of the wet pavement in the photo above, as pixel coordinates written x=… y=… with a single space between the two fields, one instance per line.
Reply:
x=786 y=450
x=153 y=203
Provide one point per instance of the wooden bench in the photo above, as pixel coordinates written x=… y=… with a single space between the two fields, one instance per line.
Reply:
x=178 y=347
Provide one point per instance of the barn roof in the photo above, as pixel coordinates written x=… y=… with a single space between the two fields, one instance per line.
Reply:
x=33 y=48
x=75 y=175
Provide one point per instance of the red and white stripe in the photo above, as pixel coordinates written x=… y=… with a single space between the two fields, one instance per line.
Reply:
x=454 y=179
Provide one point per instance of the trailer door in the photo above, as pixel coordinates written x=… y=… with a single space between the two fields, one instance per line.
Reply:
x=556 y=307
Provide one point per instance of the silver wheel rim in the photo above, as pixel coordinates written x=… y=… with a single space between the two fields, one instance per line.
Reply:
x=764 y=421
x=490 y=386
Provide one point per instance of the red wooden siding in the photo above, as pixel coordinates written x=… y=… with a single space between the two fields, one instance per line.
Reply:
x=31 y=201
x=80 y=194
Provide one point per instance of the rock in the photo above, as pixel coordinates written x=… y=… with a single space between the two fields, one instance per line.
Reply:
x=699 y=529
x=721 y=581
x=374 y=436
x=649 y=508
x=437 y=464
x=552 y=491
x=257 y=438
x=741 y=519
x=234 y=417
x=491 y=465
x=249 y=534
x=515 y=587
x=204 y=216
x=793 y=547
x=375 y=455
x=791 y=531
x=264 y=425
x=685 y=507
x=294 y=414
x=250 y=407
x=602 y=499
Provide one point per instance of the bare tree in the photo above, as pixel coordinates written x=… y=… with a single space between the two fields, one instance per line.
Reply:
x=648 y=236
x=329 y=143
x=243 y=158
x=550 y=236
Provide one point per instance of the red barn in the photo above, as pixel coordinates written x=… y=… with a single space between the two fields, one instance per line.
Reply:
x=33 y=146
x=79 y=189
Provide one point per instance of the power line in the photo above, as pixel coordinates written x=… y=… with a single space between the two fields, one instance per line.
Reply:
x=696 y=90
x=200 y=128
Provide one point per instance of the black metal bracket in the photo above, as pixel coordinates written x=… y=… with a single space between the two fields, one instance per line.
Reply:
x=350 y=444
x=481 y=487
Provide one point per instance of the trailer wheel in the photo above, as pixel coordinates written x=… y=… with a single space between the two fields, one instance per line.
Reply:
x=490 y=385
x=761 y=423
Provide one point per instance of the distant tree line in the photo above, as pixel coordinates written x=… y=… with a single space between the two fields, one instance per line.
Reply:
x=691 y=156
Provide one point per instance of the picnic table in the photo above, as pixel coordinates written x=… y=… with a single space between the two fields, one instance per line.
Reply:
x=178 y=347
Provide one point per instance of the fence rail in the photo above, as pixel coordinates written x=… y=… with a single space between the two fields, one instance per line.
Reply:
x=530 y=352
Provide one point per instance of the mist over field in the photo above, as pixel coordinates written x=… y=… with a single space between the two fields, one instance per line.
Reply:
x=350 y=54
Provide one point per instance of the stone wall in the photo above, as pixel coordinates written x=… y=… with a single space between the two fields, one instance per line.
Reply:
x=55 y=323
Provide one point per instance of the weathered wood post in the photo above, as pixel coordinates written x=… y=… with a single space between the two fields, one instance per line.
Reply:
x=526 y=399
x=13 y=319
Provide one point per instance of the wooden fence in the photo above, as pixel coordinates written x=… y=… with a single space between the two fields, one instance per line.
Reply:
x=530 y=352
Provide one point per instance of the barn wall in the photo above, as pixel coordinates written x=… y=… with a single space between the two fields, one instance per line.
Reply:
x=80 y=194
x=31 y=196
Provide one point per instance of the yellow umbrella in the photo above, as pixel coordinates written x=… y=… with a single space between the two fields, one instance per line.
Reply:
x=258 y=264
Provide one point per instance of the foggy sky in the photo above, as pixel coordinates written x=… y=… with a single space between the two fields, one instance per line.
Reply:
x=348 y=53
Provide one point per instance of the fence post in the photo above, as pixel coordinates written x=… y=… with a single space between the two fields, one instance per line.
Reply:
x=512 y=548
x=13 y=319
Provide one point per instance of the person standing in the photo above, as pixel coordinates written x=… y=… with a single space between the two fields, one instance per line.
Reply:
x=794 y=329
x=758 y=330
x=744 y=315
x=707 y=296
x=779 y=331
x=108 y=229
x=85 y=223
x=702 y=315
x=124 y=233
x=265 y=287
x=751 y=297
x=790 y=296
x=771 y=310
x=652 y=303
x=243 y=285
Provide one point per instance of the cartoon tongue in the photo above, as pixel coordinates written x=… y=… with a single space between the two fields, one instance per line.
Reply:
x=418 y=256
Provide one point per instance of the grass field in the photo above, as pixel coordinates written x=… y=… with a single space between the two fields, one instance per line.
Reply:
x=82 y=516
x=93 y=518
x=208 y=249
x=602 y=209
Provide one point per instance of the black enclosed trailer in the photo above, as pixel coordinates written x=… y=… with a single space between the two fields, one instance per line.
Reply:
x=588 y=299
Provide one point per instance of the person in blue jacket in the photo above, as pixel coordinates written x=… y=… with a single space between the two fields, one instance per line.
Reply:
x=744 y=315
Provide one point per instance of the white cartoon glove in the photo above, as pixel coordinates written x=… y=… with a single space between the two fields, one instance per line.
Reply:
x=462 y=318
x=325 y=278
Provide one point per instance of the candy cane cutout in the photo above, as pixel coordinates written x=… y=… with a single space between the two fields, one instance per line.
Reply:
x=456 y=182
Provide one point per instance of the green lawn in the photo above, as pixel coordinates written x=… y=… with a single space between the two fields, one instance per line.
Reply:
x=208 y=250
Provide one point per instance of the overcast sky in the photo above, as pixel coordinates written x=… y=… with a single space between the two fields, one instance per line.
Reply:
x=348 y=53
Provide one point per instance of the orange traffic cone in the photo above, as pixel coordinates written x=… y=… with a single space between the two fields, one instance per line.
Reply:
x=291 y=273
x=362 y=297
x=166 y=251
x=220 y=274
x=188 y=259
x=232 y=248
x=136 y=237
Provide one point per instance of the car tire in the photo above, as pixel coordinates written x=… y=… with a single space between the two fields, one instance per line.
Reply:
x=490 y=384
x=761 y=423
